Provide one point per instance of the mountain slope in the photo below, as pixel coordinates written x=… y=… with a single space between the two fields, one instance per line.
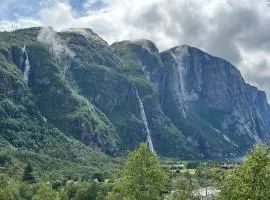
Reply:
x=103 y=78
x=26 y=135
x=79 y=85
x=73 y=84
x=210 y=86
x=204 y=96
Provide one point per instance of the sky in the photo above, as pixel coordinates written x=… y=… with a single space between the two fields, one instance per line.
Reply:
x=236 y=30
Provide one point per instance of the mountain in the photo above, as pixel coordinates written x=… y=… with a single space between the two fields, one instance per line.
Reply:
x=34 y=93
x=205 y=97
x=212 y=89
x=73 y=85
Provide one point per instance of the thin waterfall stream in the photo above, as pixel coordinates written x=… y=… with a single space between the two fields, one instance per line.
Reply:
x=163 y=89
x=27 y=66
x=143 y=115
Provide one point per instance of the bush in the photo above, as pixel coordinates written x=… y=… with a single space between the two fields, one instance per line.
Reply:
x=4 y=158
x=56 y=185
x=192 y=165
x=99 y=176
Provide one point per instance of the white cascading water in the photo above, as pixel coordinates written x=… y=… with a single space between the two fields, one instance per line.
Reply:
x=149 y=139
x=44 y=119
x=163 y=88
x=180 y=69
x=182 y=87
x=27 y=66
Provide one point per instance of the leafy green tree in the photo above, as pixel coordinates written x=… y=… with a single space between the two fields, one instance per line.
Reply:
x=251 y=180
x=9 y=189
x=87 y=191
x=4 y=158
x=63 y=194
x=141 y=178
x=26 y=191
x=28 y=175
x=45 y=192
x=71 y=189
x=104 y=189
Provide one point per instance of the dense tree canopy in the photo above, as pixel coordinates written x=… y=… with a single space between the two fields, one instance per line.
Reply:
x=141 y=177
x=251 y=180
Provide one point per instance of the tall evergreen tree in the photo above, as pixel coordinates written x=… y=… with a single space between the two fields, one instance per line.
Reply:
x=28 y=175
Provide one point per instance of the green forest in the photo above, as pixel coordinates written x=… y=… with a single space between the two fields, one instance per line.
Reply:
x=145 y=176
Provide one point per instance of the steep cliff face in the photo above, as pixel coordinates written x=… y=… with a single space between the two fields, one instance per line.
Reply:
x=205 y=97
x=110 y=83
x=211 y=86
x=136 y=58
x=262 y=111
x=56 y=100
x=195 y=105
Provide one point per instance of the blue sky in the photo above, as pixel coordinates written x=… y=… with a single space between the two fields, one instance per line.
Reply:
x=29 y=8
x=236 y=30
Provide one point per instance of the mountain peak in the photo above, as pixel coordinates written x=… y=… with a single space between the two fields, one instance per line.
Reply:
x=147 y=44
x=142 y=43
x=86 y=32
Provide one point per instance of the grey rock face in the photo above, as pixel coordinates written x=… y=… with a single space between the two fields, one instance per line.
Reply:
x=198 y=80
x=205 y=97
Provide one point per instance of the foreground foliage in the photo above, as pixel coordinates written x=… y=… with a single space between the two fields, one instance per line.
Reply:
x=251 y=180
x=141 y=178
x=184 y=191
x=79 y=190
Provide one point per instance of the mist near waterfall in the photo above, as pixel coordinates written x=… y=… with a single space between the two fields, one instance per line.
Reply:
x=59 y=47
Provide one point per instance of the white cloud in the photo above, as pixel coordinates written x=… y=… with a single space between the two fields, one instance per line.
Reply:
x=6 y=25
x=58 y=47
x=237 y=30
x=59 y=16
x=256 y=69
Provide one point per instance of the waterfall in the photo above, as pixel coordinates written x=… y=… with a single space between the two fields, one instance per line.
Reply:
x=27 y=66
x=163 y=89
x=149 y=139
x=44 y=119
x=180 y=84
x=182 y=87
